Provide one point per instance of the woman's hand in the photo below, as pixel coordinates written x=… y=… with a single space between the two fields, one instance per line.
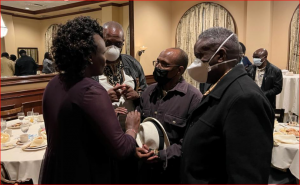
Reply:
x=133 y=121
x=120 y=110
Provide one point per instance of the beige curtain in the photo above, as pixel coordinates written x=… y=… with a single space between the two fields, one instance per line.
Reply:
x=294 y=43
x=196 y=20
x=127 y=41
x=49 y=35
x=32 y=52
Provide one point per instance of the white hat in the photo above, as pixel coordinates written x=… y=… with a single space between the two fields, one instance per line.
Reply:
x=153 y=134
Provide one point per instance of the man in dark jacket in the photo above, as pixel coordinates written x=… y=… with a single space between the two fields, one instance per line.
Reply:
x=25 y=65
x=267 y=76
x=229 y=137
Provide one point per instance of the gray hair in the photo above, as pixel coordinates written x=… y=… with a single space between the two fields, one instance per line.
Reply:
x=218 y=35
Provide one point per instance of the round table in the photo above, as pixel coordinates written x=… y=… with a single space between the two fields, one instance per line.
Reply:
x=23 y=164
x=286 y=156
x=288 y=99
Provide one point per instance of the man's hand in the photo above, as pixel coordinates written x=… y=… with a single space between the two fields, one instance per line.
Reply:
x=121 y=110
x=115 y=93
x=143 y=154
x=152 y=159
x=130 y=93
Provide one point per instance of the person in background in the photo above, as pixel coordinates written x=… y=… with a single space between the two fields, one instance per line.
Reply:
x=13 y=58
x=124 y=80
x=83 y=133
x=266 y=75
x=25 y=65
x=48 y=65
x=245 y=61
x=123 y=76
x=229 y=138
x=7 y=66
x=171 y=101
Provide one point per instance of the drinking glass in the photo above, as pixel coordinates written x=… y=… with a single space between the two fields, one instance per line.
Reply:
x=35 y=117
x=21 y=116
x=3 y=124
x=25 y=127
x=30 y=116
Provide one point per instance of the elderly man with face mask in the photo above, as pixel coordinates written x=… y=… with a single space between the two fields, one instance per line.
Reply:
x=171 y=101
x=229 y=137
x=267 y=76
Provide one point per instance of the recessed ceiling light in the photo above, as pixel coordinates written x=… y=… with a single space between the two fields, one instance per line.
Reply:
x=27 y=8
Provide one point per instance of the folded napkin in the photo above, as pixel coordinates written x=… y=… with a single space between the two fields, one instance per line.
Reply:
x=37 y=142
x=8 y=144
x=285 y=139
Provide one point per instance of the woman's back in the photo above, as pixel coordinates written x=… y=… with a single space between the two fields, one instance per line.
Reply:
x=81 y=127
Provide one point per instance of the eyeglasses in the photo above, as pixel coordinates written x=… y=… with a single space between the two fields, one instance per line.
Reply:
x=118 y=44
x=155 y=63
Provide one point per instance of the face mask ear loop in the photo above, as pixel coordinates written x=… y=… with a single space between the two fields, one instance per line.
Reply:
x=220 y=47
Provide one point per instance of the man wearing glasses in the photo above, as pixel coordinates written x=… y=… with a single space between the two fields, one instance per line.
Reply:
x=171 y=100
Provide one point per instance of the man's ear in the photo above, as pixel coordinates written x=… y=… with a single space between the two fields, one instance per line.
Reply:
x=180 y=70
x=223 y=55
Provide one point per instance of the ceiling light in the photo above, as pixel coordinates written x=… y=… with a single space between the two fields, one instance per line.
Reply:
x=27 y=8
x=3 y=28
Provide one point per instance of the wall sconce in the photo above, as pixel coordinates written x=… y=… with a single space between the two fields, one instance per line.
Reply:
x=3 y=28
x=143 y=49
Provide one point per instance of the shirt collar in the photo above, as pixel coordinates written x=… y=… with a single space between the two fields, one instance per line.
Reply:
x=181 y=86
x=234 y=74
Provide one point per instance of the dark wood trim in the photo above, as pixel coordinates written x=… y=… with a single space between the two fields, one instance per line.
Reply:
x=114 y=4
x=22 y=16
x=22 y=80
x=54 y=16
x=150 y=79
x=131 y=26
x=3 y=7
x=63 y=7
x=19 y=94
x=73 y=13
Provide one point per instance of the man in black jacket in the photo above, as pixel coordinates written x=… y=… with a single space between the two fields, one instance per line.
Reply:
x=25 y=65
x=229 y=137
x=267 y=76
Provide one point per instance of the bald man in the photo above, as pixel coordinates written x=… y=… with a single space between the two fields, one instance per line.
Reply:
x=123 y=76
x=171 y=101
x=267 y=76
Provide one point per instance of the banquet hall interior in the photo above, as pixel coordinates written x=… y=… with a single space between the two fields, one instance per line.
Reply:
x=149 y=28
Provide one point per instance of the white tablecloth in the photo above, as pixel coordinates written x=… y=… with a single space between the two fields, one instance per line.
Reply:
x=286 y=156
x=288 y=99
x=22 y=164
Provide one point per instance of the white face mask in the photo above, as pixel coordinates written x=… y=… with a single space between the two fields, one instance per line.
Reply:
x=198 y=70
x=112 y=53
x=257 y=62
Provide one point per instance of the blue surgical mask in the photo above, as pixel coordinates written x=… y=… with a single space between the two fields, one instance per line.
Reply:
x=257 y=62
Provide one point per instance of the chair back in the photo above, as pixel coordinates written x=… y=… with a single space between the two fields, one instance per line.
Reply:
x=279 y=115
x=36 y=105
x=11 y=113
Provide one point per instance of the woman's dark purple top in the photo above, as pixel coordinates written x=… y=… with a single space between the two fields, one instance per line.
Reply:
x=83 y=134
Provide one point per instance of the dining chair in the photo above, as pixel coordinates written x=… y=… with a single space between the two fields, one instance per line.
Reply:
x=279 y=115
x=11 y=113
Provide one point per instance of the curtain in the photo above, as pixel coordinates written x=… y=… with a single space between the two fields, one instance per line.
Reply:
x=127 y=41
x=196 y=20
x=32 y=52
x=49 y=35
x=294 y=44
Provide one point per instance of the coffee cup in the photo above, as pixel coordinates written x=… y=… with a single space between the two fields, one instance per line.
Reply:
x=24 y=138
x=8 y=131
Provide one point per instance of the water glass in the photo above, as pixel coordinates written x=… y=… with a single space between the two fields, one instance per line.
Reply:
x=35 y=117
x=21 y=116
x=25 y=127
x=30 y=116
x=3 y=124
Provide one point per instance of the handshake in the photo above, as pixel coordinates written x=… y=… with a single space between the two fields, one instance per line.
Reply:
x=128 y=92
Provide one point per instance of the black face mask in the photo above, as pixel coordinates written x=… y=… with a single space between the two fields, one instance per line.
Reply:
x=160 y=76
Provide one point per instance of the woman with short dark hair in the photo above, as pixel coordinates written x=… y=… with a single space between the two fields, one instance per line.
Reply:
x=83 y=132
x=48 y=66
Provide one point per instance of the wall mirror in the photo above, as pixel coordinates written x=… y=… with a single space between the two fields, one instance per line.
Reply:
x=32 y=52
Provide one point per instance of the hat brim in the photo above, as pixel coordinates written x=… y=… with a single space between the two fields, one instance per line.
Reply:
x=166 y=138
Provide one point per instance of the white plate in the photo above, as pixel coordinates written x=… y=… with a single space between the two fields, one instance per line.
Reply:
x=36 y=148
x=10 y=127
x=7 y=147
